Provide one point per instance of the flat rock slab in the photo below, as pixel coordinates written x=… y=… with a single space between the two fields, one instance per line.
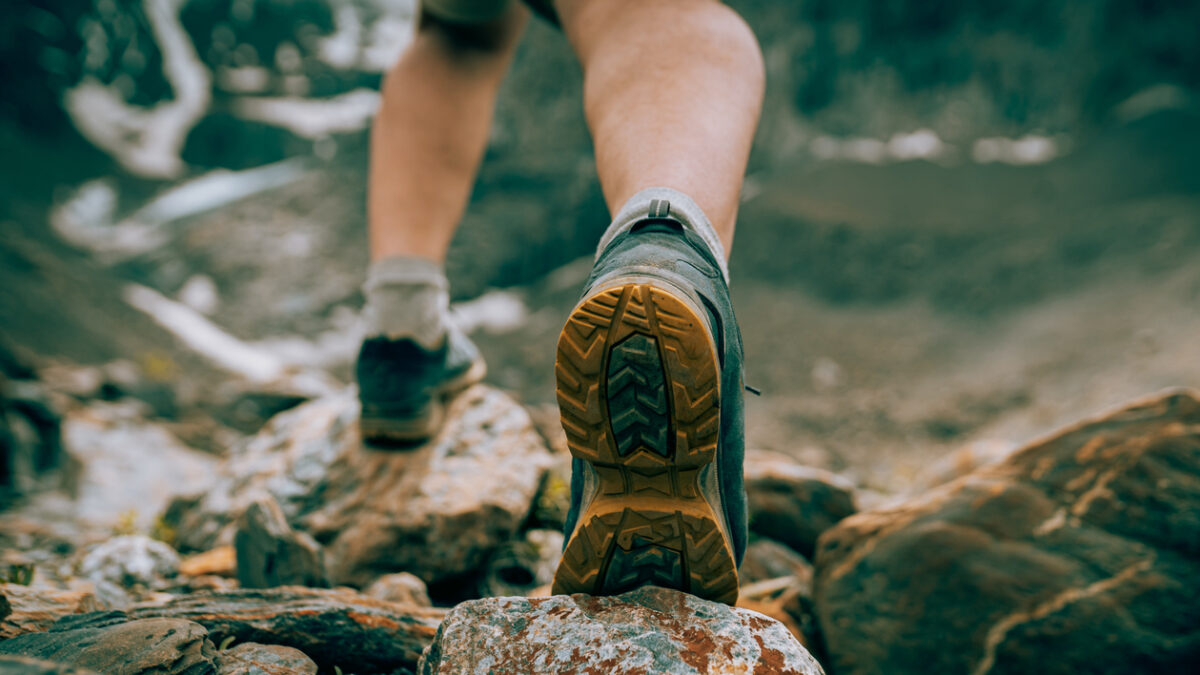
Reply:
x=436 y=511
x=333 y=627
x=24 y=665
x=106 y=643
x=649 y=630
x=36 y=609
x=1078 y=553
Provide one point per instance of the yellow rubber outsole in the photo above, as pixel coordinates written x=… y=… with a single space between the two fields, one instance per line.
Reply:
x=638 y=383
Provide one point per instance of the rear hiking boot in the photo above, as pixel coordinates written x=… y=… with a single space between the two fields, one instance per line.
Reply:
x=404 y=388
x=649 y=390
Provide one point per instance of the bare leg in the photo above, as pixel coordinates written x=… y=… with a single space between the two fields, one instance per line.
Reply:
x=672 y=92
x=431 y=132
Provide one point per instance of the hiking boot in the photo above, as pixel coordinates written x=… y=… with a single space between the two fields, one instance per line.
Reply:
x=649 y=381
x=404 y=387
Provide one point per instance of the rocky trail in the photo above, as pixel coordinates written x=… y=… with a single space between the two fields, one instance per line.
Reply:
x=185 y=490
x=193 y=498
x=967 y=273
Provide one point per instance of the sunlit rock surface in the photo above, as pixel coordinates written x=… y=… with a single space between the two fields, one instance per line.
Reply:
x=436 y=511
x=335 y=627
x=649 y=630
x=27 y=610
x=1079 y=553
x=106 y=643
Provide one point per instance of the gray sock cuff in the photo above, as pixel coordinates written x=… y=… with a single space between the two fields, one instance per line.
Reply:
x=407 y=298
x=405 y=270
x=661 y=202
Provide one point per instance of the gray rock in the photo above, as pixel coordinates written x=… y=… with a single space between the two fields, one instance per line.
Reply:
x=36 y=609
x=1078 y=553
x=24 y=665
x=131 y=560
x=400 y=587
x=107 y=644
x=436 y=511
x=521 y=566
x=791 y=503
x=649 y=630
x=251 y=658
x=270 y=553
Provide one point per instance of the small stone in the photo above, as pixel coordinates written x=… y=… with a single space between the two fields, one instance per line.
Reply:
x=220 y=561
x=106 y=643
x=649 y=630
x=791 y=503
x=36 y=609
x=270 y=553
x=400 y=587
x=131 y=560
x=251 y=658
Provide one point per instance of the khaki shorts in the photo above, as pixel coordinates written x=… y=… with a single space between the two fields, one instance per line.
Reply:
x=478 y=11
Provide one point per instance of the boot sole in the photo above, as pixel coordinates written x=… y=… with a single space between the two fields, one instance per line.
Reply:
x=638 y=385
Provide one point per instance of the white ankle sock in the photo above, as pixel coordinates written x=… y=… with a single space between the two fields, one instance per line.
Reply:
x=660 y=202
x=407 y=298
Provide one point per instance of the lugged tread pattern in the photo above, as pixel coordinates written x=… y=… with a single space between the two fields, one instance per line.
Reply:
x=639 y=397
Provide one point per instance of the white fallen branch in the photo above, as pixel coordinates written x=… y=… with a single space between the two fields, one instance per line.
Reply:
x=147 y=141
x=205 y=337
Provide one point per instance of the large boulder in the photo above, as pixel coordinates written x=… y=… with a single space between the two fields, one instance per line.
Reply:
x=1079 y=553
x=649 y=630
x=437 y=511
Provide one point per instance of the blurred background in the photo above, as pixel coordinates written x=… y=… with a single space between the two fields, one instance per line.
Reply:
x=965 y=222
